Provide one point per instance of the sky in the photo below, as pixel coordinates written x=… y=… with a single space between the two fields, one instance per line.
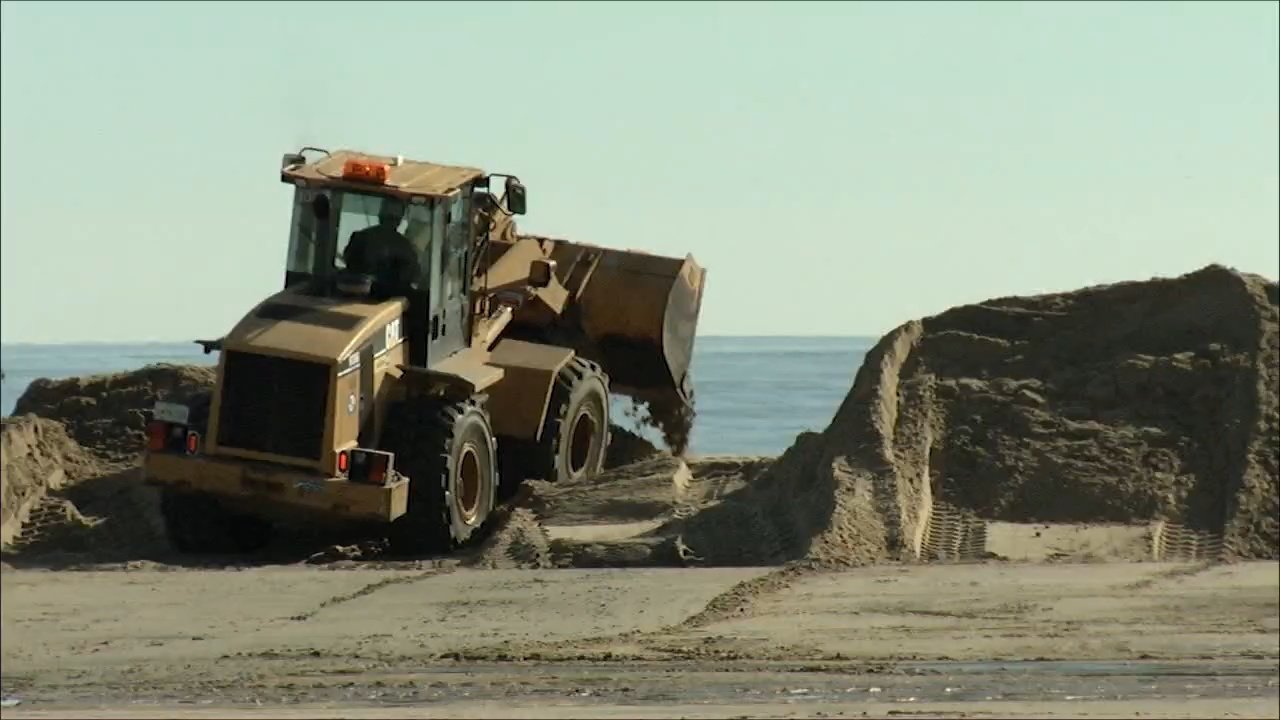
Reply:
x=838 y=168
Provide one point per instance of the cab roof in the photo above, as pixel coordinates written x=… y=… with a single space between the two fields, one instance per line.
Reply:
x=408 y=178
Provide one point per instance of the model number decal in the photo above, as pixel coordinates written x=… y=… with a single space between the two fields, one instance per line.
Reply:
x=393 y=333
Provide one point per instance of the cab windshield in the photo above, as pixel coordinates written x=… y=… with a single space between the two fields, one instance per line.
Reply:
x=374 y=234
x=384 y=237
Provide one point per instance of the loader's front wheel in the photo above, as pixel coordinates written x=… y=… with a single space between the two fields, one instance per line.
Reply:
x=200 y=525
x=577 y=431
x=449 y=453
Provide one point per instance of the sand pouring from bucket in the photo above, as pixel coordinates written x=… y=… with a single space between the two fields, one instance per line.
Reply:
x=640 y=313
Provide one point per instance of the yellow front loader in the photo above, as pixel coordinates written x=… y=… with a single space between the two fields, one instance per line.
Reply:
x=422 y=359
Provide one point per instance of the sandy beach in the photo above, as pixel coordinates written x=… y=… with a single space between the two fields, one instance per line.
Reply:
x=991 y=639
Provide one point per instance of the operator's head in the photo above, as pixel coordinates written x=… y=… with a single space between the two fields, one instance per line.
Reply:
x=392 y=212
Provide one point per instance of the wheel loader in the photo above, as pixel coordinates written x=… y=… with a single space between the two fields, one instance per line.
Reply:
x=421 y=360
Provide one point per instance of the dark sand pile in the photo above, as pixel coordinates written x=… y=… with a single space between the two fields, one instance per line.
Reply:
x=1129 y=402
x=626 y=447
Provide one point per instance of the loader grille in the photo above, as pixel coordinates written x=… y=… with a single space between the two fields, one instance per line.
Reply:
x=273 y=405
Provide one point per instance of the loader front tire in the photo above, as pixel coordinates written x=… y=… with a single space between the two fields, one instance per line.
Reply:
x=448 y=452
x=577 y=430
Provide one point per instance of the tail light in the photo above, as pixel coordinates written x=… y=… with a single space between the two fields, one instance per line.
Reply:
x=370 y=466
x=344 y=462
x=193 y=443
x=165 y=436
x=157 y=435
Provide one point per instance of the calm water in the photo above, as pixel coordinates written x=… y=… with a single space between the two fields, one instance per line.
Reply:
x=754 y=394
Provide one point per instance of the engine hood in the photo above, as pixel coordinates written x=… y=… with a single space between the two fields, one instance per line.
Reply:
x=317 y=329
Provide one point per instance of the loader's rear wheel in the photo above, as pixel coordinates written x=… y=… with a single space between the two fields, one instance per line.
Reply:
x=577 y=430
x=448 y=452
x=200 y=525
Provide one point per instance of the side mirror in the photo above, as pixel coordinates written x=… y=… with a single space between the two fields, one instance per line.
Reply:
x=541 y=271
x=292 y=159
x=515 y=197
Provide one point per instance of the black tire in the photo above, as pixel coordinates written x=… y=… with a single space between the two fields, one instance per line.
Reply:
x=576 y=434
x=448 y=452
x=199 y=525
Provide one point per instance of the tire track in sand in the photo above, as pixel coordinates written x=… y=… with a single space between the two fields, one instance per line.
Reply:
x=369 y=590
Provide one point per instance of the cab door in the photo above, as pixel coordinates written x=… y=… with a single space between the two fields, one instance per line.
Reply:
x=450 y=327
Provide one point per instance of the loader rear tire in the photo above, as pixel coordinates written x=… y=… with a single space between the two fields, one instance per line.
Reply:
x=448 y=452
x=199 y=525
x=576 y=434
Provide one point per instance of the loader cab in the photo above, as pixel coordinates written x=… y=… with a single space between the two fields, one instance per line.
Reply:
x=364 y=246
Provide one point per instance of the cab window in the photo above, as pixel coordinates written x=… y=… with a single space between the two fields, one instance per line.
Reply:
x=389 y=220
x=456 y=241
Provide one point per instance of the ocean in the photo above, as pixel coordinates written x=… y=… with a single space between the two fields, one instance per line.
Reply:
x=754 y=394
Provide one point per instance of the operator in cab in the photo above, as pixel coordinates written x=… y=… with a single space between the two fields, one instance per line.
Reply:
x=383 y=252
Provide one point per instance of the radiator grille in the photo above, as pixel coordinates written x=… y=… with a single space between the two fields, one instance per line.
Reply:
x=273 y=405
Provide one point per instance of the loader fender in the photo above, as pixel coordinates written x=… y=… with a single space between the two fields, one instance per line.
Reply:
x=518 y=401
x=461 y=375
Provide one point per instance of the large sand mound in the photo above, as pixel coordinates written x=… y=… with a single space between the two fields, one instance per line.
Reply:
x=37 y=456
x=1132 y=402
x=70 y=464
x=105 y=413
x=61 y=499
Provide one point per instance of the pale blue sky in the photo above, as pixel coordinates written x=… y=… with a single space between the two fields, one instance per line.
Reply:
x=838 y=167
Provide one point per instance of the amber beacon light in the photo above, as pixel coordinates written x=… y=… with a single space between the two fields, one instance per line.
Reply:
x=365 y=171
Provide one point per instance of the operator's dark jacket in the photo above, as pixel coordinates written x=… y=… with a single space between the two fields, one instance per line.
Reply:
x=383 y=252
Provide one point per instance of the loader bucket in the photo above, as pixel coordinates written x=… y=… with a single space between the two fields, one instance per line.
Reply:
x=636 y=315
x=640 y=312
